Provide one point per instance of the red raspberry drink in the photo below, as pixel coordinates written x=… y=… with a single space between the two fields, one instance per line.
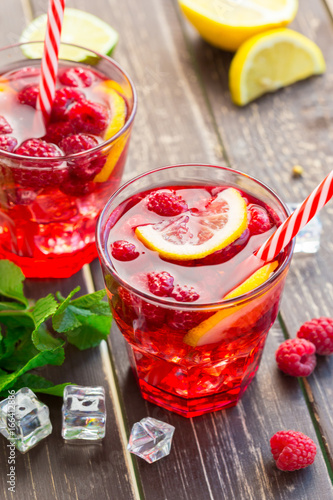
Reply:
x=170 y=243
x=55 y=178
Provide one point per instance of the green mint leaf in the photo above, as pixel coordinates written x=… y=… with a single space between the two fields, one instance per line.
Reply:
x=11 y=282
x=36 y=383
x=54 y=357
x=43 y=309
x=87 y=301
x=12 y=336
x=42 y=339
x=102 y=308
x=11 y=306
x=93 y=329
x=17 y=318
x=64 y=319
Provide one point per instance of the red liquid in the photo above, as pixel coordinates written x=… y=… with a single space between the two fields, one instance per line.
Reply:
x=188 y=379
x=48 y=228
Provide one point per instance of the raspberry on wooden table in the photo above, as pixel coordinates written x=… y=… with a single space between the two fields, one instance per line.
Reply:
x=77 y=77
x=8 y=143
x=5 y=128
x=259 y=221
x=123 y=250
x=296 y=357
x=89 y=117
x=166 y=203
x=292 y=450
x=28 y=95
x=160 y=284
x=319 y=331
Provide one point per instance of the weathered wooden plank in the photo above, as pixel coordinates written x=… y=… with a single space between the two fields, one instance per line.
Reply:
x=57 y=470
x=226 y=455
x=265 y=139
x=54 y=469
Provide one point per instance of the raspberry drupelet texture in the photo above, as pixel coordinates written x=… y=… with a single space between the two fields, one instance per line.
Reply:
x=28 y=95
x=259 y=221
x=319 y=331
x=57 y=131
x=85 y=168
x=124 y=251
x=5 y=128
x=65 y=98
x=8 y=143
x=77 y=77
x=185 y=294
x=39 y=174
x=166 y=203
x=292 y=450
x=160 y=284
x=296 y=357
x=88 y=117
x=77 y=142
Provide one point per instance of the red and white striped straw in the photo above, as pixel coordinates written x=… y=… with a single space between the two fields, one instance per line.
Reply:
x=49 y=66
x=297 y=220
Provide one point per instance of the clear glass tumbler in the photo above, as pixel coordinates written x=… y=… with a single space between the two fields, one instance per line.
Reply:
x=49 y=205
x=214 y=373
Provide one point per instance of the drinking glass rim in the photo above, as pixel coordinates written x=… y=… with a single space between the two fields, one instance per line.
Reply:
x=244 y=298
x=100 y=146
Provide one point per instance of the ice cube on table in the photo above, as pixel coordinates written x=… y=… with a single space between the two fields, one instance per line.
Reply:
x=308 y=239
x=83 y=413
x=151 y=439
x=24 y=420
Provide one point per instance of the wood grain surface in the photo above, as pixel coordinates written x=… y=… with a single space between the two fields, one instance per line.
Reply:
x=185 y=115
x=266 y=139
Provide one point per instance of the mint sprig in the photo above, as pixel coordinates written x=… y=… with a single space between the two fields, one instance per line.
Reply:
x=34 y=335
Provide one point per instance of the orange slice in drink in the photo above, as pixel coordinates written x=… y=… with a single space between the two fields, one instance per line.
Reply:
x=212 y=329
x=118 y=116
x=196 y=234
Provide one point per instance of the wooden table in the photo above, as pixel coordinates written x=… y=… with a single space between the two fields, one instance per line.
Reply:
x=185 y=115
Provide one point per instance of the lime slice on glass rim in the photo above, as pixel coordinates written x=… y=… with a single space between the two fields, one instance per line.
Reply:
x=78 y=28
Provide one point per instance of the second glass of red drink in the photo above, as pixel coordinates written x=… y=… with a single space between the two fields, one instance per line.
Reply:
x=171 y=242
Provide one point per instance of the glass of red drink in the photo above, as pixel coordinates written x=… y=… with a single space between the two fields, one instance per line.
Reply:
x=55 y=178
x=193 y=346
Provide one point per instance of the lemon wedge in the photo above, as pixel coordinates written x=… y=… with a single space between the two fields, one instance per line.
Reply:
x=196 y=235
x=270 y=61
x=212 y=329
x=228 y=23
x=118 y=117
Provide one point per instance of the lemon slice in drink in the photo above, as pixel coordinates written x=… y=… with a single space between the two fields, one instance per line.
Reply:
x=79 y=28
x=270 y=61
x=196 y=234
x=118 y=117
x=228 y=23
x=212 y=329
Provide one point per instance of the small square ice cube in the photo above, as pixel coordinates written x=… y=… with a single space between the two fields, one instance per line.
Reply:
x=151 y=439
x=83 y=413
x=24 y=420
